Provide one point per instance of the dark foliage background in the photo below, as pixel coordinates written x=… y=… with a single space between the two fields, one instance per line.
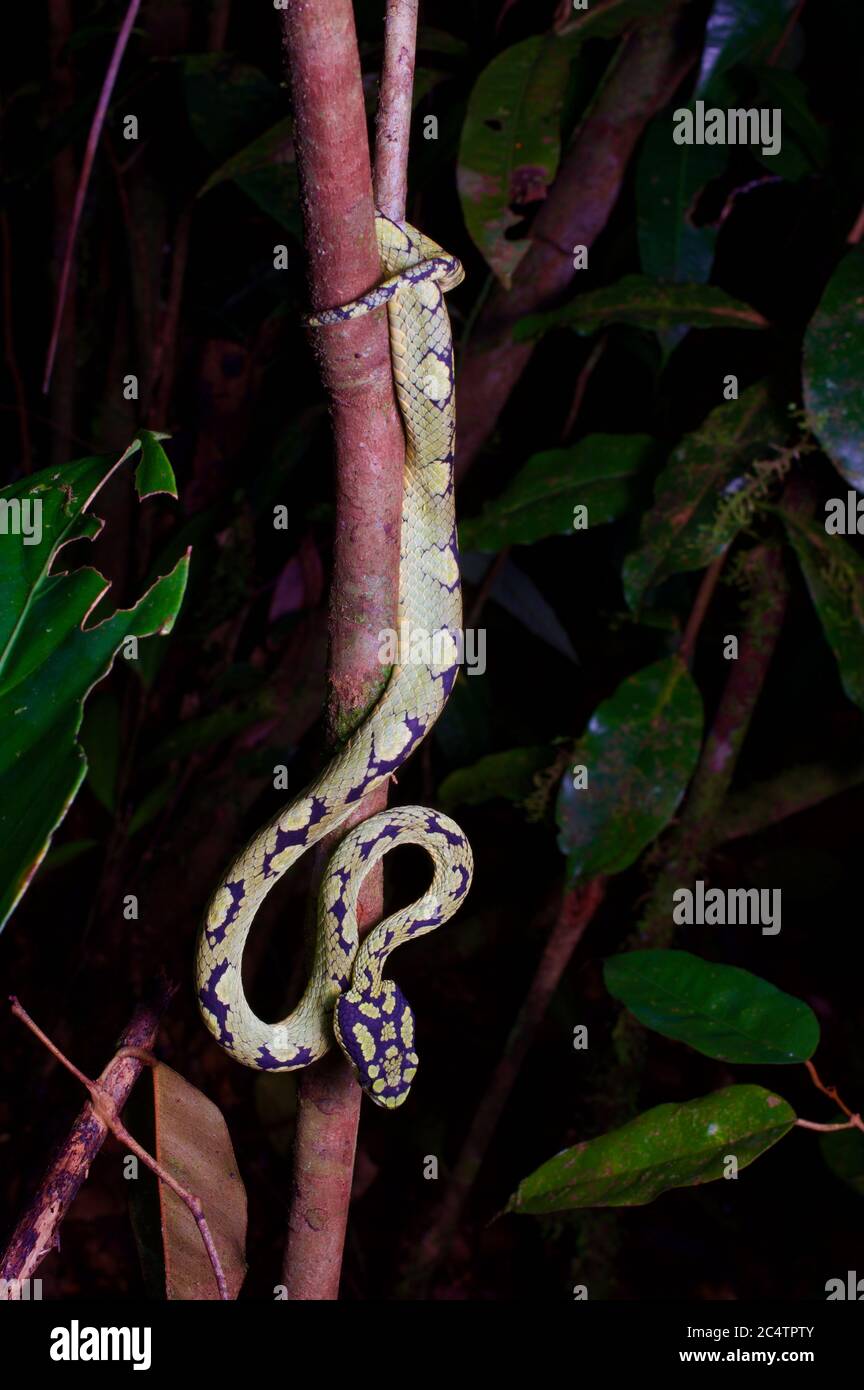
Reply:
x=179 y=287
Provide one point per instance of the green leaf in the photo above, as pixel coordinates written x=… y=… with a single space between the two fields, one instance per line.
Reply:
x=834 y=574
x=606 y=19
x=100 y=739
x=509 y=774
x=805 y=144
x=275 y=146
x=739 y=30
x=843 y=1151
x=238 y=115
x=692 y=520
x=644 y=303
x=148 y=808
x=833 y=368
x=719 y=1010
x=510 y=144
x=49 y=659
x=598 y=472
x=640 y=750
x=669 y=179
x=265 y=170
x=154 y=473
x=66 y=854
x=670 y=1146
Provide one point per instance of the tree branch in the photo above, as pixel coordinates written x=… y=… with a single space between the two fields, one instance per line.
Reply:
x=37 y=1231
x=578 y=906
x=338 y=209
x=574 y=213
x=693 y=837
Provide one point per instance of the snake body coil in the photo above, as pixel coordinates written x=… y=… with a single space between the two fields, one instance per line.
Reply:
x=347 y=993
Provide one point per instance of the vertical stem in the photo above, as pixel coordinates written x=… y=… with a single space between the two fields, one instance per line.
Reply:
x=694 y=836
x=394 y=109
x=578 y=906
x=338 y=209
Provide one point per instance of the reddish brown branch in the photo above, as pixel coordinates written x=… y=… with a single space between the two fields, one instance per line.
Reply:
x=393 y=125
x=338 y=209
x=37 y=1231
x=693 y=837
x=106 y=1110
x=575 y=212
x=578 y=906
x=84 y=180
x=703 y=601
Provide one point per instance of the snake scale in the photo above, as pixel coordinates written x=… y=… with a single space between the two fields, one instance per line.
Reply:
x=347 y=994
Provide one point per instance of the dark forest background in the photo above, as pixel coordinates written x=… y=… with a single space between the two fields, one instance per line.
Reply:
x=174 y=281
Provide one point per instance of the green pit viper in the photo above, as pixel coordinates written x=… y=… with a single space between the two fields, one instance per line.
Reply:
x=347 y=995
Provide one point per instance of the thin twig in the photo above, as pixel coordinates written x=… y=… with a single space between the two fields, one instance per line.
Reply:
x=692 y=838
x=786 y=35
x=854 y=1123
x=829 y=1091
x=857 y=231
x=84 y=180
x=582 y=381
x=393 y=125
x=106 y=1109
x=700 y=607
x=37 y=1230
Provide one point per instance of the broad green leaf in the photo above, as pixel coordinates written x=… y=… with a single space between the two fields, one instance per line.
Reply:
x=53 y=649
x=430 y=40
x=509 y=774
x=510 y=144
x=843 y=1151
x=154 y=473
x=804 y=148
x=695 y=513
x=193 y=1144
x=150 y=806
x=100 y=738
x=834 y=366
x=640 y=750
x=230 y=103
x=669 y=179
x=66 y=854
x=739 y=30
x=644 y=303
x=266 y=172
x=599 y=472
x=275 y=146
x=237 y=113
x=719 y=1010
x=669 y=1146
x=605 y=19
x=834 y=573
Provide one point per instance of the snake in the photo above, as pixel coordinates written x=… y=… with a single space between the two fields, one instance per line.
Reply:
x=347 y=999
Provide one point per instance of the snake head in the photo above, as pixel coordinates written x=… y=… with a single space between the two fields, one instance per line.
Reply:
x=375 y=1029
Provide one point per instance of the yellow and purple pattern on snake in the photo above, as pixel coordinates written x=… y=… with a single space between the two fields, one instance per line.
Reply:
x=346 y=993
